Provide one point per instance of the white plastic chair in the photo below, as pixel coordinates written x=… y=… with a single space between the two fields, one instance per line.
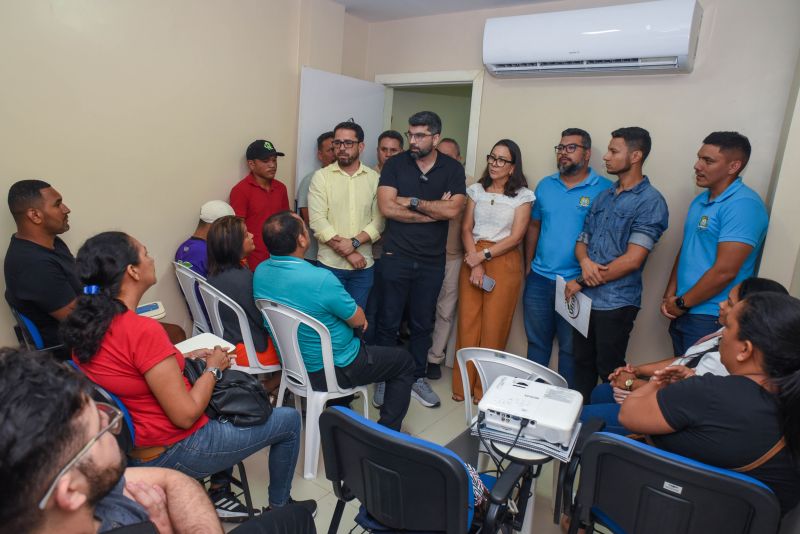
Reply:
x=492 y=364
x=188 y=280
x=283 y=322
x=212 y=298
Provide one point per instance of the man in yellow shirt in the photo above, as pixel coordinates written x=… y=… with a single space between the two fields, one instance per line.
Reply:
x=343 y=212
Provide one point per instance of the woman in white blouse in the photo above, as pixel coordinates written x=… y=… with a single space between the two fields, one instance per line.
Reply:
x=497 y=214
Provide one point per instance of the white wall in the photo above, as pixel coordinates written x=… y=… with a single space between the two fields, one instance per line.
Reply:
x=743 y=74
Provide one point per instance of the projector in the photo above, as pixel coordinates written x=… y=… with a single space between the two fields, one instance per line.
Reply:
x=551 y=411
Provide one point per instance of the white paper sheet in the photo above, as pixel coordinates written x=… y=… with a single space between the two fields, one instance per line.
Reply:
x=576 y=311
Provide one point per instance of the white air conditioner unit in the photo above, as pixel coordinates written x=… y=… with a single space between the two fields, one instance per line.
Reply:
x=650 y=37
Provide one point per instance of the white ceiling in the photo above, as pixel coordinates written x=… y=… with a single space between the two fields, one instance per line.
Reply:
x=382 y=10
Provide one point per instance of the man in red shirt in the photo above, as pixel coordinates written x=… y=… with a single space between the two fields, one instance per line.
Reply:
x=259 y=195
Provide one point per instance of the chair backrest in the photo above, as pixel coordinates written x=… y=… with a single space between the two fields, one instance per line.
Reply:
x=402 y=481
x=188 y=280
x=31 y=337
x=283 y=323
x=127 y=436
x=492 y=364
x=213 y=298
x=633 y=487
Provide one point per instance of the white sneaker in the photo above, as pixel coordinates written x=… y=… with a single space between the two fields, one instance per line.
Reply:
x=422 y=391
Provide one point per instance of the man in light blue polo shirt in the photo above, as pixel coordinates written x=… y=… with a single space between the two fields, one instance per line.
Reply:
x=562 y=202
x=288 y=279
x=722 y=238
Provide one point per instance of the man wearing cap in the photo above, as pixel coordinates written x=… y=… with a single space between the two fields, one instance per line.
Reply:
x=259 y=195
x=192 y=253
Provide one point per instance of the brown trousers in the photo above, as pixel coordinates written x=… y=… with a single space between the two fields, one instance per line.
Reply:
x=484 y=318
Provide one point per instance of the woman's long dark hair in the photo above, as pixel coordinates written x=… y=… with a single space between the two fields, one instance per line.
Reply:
x=771 y=322
x=101 y=262
x=517 y=179
x=225 y=243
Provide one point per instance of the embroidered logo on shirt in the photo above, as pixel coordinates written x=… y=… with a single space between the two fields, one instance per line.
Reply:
x=703 y=224
x=584 y=202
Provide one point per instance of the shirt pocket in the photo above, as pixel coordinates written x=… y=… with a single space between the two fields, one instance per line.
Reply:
x=622 y=221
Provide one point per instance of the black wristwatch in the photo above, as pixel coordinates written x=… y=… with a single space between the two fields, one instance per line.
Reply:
x=487 y=254
x=413 y=203
x=681 y=305
x=580 y=281
x=216 y=372
x=356 y=243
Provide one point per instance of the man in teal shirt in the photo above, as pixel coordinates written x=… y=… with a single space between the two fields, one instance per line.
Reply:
x=288 y=279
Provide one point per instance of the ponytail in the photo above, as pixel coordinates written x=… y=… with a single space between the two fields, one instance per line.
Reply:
x=101 y=263
x=771 y=322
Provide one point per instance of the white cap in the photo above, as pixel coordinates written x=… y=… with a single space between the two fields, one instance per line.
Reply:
x=214 y=209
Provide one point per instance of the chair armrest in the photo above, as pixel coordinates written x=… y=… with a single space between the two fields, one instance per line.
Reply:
x=505 y=484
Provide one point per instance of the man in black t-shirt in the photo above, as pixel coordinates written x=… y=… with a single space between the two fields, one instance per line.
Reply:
x=41 y=282
x=419 y=191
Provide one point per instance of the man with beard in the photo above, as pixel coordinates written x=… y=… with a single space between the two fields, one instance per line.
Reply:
x=623 y=225
x=259 y=195
x=343 y=213
x=420 y=190
x=39 y=268
x=722 y=238
x=562 y=201
x=63 y=470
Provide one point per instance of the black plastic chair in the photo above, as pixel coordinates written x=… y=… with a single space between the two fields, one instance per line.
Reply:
x=404 y=483
x=630 y=487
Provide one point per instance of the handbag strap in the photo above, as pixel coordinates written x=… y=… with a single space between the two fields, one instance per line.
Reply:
x=767 y=456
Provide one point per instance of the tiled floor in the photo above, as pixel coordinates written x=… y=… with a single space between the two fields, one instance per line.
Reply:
x=439 y=425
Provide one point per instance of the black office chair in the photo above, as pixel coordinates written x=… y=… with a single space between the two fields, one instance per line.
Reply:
x=630 y=487
x=402 y=482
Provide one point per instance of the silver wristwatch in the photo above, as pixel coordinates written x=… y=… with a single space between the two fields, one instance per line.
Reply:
x=216 y=372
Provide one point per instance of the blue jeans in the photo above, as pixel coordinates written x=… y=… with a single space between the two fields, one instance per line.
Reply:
x=218 y=446
x=357 y=282
x=542 y=324
x=416 y=283
x=603 y=406
x=688 y=328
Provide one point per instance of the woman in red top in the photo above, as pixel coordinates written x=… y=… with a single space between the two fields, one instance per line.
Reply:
x=132 y=357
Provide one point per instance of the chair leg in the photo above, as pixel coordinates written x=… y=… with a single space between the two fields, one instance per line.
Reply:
x=337 y=517
x=314 y=407
x=281 y=392
x=366 y=404
x=248 y=499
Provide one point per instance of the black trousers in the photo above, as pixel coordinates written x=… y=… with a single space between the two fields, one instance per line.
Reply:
x=604 y=349
x=405 y=281
x=392 y=365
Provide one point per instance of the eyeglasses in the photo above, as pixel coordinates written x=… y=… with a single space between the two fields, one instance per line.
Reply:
x=114 y=426
x=417 y=136
x=498 y=162
x=569 y=149
x=348 y=143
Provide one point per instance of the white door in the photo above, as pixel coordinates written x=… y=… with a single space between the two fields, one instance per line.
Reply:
x=326 y=99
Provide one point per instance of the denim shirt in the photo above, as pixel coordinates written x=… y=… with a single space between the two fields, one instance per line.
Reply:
x=639 y=216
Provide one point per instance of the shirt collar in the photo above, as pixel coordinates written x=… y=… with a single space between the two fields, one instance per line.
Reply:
x=411 y=161
x=638 y=188
x=730 y=190
x=285 y=259
x=591 y=179
x=361 y=169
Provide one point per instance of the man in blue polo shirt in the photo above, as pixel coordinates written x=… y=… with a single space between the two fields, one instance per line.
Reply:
x=622 y=227
x=287 y=278
x=722 y=238
x=562 y=202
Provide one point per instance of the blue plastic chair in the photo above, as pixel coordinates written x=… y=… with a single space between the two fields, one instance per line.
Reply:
x=404 y=483
x=29 y=333
x=630 y=487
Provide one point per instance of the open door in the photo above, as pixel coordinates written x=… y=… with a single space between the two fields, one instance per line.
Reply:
x=326 y=99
